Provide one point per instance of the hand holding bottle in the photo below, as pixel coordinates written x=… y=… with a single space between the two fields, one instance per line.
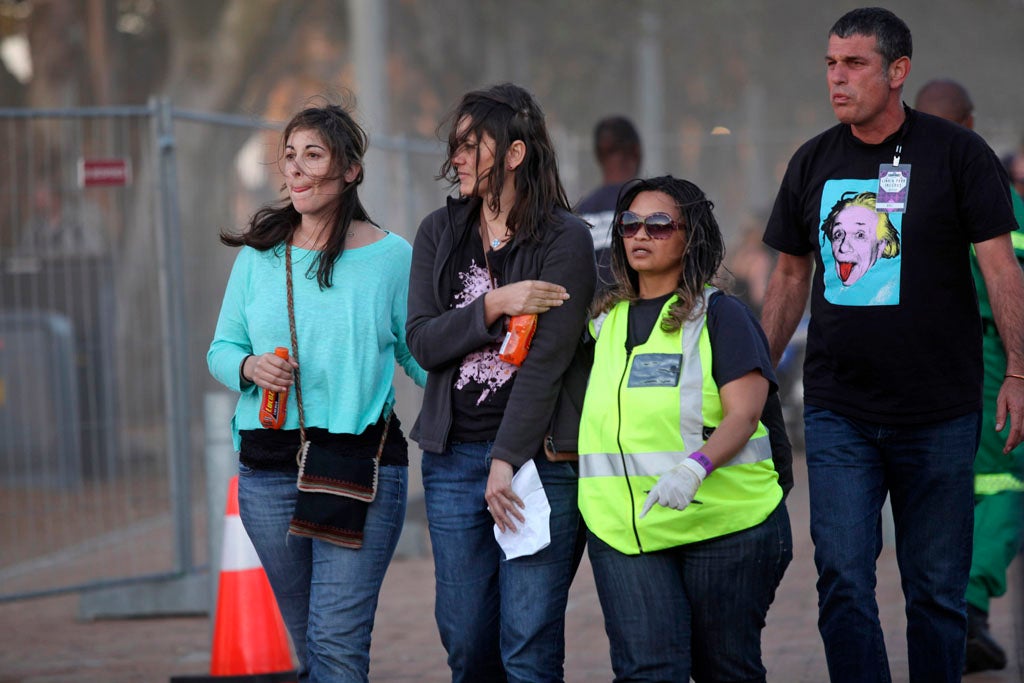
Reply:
x=518 y=338
x=270 y=371
x=273 y=402
x=523 y=298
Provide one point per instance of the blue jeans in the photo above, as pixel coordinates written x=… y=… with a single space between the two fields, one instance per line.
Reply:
x=927 y=472
x=499 y=619
x=327 y=594
x=694 y=610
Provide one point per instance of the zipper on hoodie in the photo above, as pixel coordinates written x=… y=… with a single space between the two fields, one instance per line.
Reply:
x=441 y=272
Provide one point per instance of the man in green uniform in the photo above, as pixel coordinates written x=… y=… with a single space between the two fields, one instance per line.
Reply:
x=998 y=477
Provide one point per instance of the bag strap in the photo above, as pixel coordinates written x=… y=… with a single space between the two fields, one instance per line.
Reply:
x=384 y=434
x=295 y=355
x=294 y=339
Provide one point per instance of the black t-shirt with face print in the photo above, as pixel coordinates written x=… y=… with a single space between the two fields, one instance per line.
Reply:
x=894 y=335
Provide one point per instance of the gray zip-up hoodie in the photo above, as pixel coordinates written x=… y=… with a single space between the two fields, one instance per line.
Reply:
x=439 y=336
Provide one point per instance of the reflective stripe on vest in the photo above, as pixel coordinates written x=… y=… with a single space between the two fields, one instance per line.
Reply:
x=631 y=434
x=654 y=463
x=991 y=484
x=1017 y=237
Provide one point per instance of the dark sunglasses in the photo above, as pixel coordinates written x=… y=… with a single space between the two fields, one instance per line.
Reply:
x=659 y=226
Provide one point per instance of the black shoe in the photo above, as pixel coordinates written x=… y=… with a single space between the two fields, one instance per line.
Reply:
x=983 y=652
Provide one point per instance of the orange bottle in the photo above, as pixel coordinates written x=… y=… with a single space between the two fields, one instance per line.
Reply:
x=517 y=339
x=273 y=403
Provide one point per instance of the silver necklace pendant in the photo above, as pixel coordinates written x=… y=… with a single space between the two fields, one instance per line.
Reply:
x=495 y=243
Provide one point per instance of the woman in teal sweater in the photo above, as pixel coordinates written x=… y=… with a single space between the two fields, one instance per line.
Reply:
x=350 y=284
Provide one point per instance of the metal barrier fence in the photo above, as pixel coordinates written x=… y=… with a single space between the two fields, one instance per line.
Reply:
x=111 y=274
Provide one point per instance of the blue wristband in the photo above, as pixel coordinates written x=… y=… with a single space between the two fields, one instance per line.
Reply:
x=702 y=460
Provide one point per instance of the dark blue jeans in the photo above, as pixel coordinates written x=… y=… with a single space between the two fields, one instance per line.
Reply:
x=927 y=472
x=499 y=619
x=327 y=594
x=695 y=610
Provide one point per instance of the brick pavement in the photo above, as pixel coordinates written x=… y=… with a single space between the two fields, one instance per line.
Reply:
x=43 y=643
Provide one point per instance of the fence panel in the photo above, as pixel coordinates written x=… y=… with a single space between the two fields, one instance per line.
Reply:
x=82 y=462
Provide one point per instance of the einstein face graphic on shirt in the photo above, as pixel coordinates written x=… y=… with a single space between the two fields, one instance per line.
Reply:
x=860 y=246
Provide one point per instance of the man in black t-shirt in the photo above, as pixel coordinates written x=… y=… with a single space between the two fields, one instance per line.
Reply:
x=892 y=377
x=617 y=148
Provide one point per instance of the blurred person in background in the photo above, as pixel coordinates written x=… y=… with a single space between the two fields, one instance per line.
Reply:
x=350 y=280
x=751 y=267
x=58 y=228
x=618 y=152
x=689 y=535
x=893 y=392
x=507 y=246
x=750 y=262
x=998 y=476
x=1015 y=167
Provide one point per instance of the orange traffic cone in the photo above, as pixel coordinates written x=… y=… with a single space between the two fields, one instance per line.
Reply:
x=250 y=642
x=249 y=636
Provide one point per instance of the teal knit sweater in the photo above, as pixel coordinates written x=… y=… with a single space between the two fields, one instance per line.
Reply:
x=350 y=334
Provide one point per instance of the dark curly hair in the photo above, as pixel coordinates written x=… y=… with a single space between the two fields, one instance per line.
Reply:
x=702 y=256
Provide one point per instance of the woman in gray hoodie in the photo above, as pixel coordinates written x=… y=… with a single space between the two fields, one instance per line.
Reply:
x=508 y=246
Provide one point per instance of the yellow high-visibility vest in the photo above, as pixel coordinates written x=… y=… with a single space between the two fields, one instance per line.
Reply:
x=645 y=412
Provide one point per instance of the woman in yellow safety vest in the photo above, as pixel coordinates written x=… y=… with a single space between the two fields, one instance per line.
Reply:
x=688 y=534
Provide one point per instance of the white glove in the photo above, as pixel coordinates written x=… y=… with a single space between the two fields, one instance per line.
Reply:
x=676 y=488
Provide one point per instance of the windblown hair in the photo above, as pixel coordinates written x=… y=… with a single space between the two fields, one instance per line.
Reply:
x=274 y=224
x=507 y=113
x=891 y=34
x=702 y=256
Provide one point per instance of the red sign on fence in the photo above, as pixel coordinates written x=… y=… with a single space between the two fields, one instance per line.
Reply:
x=104 y=172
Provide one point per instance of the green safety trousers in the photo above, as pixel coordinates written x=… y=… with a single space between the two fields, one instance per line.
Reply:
x=998 y=489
